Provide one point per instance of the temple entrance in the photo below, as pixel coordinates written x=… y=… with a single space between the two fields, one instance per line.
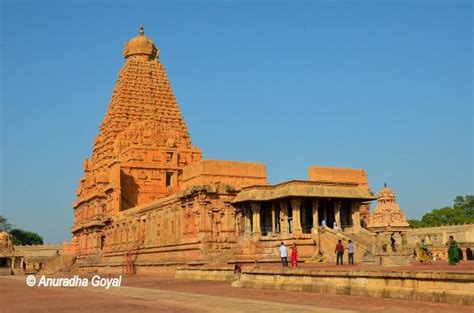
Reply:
x=4 y=262
x=326 y=212
x=320 y=213
x=266 y=218
x=306 y=216
x=346 y=214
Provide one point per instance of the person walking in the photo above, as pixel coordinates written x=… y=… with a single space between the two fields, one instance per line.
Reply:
x=350 y=252
x=339 y=252
x=294 y=255
x=283 y=255
x=453 y=253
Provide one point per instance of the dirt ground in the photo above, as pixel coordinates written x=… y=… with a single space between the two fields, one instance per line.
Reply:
x=164 y=293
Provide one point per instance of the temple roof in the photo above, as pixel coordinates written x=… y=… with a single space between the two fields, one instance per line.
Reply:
x=303 y=188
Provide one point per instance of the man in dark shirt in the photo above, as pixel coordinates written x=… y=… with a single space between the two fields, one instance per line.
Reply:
x=339 y=252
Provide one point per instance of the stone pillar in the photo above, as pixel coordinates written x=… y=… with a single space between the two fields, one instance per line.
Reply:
x=337 y=213
x=247 y=221
x=13 y=263
x=296 y=208
x=284 y=227
x=256 y=218
x=355 y=205
x=315 y=203
x=273 y=218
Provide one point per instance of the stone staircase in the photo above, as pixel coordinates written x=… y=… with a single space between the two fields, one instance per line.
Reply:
x=362 y=243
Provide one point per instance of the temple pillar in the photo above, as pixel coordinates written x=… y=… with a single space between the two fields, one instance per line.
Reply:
x=296 y=209
x=13 y=262
x=355 y=205
x=256 y=218
x=314 y=204
x=337 y=213
x=284 y=227
x=247 y=221
x=273 y=218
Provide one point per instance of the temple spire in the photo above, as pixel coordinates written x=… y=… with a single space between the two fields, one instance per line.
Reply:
x=142 y=30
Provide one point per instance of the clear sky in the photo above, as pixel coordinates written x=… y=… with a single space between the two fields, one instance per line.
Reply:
x=379 y=85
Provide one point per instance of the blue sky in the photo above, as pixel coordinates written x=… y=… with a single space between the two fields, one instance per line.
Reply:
x=379 y=85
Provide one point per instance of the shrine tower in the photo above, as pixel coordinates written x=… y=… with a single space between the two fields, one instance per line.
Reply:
x=143 y=142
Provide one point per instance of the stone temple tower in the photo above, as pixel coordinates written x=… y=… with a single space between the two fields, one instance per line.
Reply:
x=143 y=143
x=390 y=226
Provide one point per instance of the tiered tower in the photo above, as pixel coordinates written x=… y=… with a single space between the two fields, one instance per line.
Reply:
x=143 y=143
x=387 y=215
x=390 y=226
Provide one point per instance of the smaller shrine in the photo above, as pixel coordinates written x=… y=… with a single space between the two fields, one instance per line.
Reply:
x=5 y=242
x=390 y=226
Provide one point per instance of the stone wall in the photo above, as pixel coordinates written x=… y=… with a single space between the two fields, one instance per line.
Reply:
x=437 y=237
x=337 y=174
x=233 y=173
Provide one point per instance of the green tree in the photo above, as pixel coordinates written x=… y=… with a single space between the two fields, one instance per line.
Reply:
x=462 y=212
x=466 y=204
x=4 y=225
x=22 y=237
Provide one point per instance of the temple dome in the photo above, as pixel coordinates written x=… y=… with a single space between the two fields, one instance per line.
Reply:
x=386 y=195
x=387 y=213
x=141 y=46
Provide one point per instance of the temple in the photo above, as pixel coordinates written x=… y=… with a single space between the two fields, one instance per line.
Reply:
x=148 y=198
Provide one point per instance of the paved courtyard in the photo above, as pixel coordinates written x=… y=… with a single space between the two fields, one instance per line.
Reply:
x=163 y=293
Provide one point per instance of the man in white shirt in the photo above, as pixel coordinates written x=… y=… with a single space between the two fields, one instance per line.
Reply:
x=283 y=255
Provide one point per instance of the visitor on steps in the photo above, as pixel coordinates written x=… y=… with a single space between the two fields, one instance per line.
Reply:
x=283 y=255
x=294 y=255
x=350 y=252
x=339 y=252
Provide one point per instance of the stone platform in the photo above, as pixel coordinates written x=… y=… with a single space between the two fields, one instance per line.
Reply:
x=435 y=283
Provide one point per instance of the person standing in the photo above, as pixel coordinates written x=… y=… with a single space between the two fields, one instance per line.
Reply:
x=350 y=252
x=453 y=253
x=339 y=252
x=283 y=255
x=237 y=268
x=294 y=255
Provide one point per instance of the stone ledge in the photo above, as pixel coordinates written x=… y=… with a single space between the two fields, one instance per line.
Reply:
x=215 y=274
x=447 y=287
